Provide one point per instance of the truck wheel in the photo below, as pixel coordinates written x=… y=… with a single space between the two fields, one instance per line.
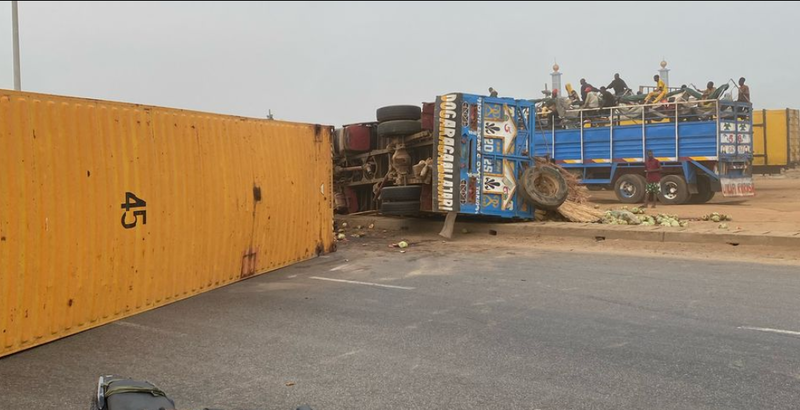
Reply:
x=630 y=188
x=400 y=208
x=398 y=128
x=674 y=190
x=401 y=193
x=704 y=192
x=543 y=187
x=398 y=112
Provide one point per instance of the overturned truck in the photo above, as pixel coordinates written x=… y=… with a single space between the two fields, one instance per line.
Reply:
x=465 y=153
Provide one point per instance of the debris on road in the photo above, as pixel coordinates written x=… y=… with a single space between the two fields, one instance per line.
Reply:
x=574 y=209
x=716 y=217
x=401 y=245
x=625 y=217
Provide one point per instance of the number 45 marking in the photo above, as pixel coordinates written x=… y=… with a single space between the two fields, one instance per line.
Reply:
x=132 y=201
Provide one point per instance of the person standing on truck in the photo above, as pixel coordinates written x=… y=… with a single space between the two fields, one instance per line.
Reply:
x=618 y=85
x=709 y=91
x=652 y=168
x=744 y=92
x=659 y=93
x=608 y=99
x=586 y=88
x=492 y=92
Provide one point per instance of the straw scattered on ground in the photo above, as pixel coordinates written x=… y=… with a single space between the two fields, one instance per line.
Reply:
x=574 y=209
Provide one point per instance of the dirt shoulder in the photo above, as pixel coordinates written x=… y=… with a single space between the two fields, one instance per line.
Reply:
x=775 y=208
x=504 y=244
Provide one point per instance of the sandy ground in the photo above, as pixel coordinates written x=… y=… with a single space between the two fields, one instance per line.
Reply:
x=502 y=245
x=775 y=208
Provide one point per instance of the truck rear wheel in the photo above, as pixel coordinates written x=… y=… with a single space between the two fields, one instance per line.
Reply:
x=674 y=190
x=630 y=188
x=401 y=193
x=398 y=112
x=398 y=128
x=405 y=208
x=543 y=187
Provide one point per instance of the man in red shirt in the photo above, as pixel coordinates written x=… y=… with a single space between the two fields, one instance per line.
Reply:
x=652 y=168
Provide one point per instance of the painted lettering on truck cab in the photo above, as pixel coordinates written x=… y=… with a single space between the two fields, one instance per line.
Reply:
x=448 y=168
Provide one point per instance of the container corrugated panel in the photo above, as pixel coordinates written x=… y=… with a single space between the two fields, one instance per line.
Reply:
x=776 y=137
x=793 y=122
x=110 y=209
x=770 y=138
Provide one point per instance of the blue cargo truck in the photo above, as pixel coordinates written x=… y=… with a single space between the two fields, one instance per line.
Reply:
x=704 y=147
x=479 y=155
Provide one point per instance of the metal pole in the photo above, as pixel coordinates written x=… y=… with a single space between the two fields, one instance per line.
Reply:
x=15 y=30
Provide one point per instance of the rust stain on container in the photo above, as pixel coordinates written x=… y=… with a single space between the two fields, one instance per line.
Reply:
x=113 y=208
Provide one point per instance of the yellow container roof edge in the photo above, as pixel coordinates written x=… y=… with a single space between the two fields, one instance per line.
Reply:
x=4 y=92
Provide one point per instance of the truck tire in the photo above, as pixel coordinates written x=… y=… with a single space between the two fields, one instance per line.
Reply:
x=398 y=112
x=704 y=191
x=630 y=188
x=398 y=128
x=543 y=187
x=674 y=190
x=405 y=208
x=401 y=193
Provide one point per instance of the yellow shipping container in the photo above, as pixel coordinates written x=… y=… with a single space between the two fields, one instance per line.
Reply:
x=110 y=209
x=776 y=139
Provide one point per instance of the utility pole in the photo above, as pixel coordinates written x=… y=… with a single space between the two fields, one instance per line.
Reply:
x=15 y=29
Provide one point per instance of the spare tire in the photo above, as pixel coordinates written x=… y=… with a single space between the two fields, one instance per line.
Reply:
x=398 y=128
x=398 y=112
x=543 y=187
x=401 y=193
x=400 y=208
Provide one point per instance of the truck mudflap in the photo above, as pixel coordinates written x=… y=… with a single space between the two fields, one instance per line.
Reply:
x=737 y=186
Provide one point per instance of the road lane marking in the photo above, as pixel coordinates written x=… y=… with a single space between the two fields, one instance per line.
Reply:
x=355 y=282
x=339 y=267
x=766 y=329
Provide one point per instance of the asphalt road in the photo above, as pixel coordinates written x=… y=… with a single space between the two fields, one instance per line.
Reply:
x=461 y=328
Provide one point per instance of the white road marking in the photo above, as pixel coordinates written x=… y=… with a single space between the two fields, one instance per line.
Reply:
x=338 y=267
x=766 y=329
x=355 y=282
x=292 y=276
x=148 y=328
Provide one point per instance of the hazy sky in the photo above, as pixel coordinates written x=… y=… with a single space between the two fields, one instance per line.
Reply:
x=334 y=63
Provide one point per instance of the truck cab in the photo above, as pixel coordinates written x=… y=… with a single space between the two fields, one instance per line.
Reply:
x=465 y=153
